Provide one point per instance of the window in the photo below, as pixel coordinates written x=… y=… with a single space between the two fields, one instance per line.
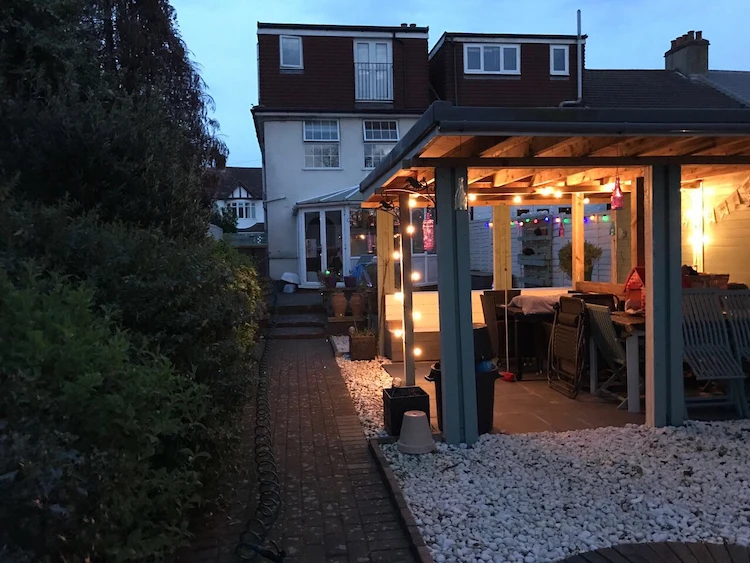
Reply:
x=243 y=209
x=558 y=60
x=374 y=132
x=492 y=58
x=381 y=130
x=321 y=143
x=290 y=48
x=373 y=65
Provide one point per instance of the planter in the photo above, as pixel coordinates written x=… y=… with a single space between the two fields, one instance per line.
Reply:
x=350 y=281
x=338 y=302
x=330 y=282
x=398 y=400
x=363 y=346
x=357 y=303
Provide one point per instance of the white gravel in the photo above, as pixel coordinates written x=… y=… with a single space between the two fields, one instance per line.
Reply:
x=366 y=380
x=543 y=497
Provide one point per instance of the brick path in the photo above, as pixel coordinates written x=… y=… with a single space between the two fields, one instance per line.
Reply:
x=336 y=507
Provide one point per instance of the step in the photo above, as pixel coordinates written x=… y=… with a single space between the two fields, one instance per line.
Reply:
x=297 y=333
x=304 y=309
x=300 y=320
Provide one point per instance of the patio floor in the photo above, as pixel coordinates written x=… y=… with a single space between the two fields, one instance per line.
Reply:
x=531 y=406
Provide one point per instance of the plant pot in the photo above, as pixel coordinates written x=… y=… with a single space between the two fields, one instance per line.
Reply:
x=330 y=282
x=363 y=346
x=350 y=281
x=398 y=400
x=338 y=302
x=357 y=303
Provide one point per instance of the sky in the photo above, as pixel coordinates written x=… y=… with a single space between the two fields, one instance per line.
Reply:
x=221 y=36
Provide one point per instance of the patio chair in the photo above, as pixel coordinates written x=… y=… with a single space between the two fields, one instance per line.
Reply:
x=611 y=349
x=707 y=348
x=736 y=305
x=567 y=347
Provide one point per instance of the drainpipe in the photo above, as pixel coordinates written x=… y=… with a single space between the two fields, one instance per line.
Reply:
x=579 y=58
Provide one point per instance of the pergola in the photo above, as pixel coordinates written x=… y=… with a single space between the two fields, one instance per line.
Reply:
x=497 y=154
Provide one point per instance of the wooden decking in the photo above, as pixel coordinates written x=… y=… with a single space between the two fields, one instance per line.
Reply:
x=669 y=552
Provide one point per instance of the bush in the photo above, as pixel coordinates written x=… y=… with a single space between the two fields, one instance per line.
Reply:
x=93 y=447
x=591 y=253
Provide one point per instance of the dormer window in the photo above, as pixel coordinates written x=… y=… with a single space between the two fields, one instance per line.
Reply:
x=290 y=47
x=559 y=60
x=492 y=58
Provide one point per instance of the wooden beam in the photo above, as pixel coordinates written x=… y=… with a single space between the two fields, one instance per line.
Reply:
x=577 y=237
x=386 y=282
x=637 y=229
x=695 y=172
x=575 y=162
x=502 y=263
x=583 y=188
x=539 y=200
x=407 y=292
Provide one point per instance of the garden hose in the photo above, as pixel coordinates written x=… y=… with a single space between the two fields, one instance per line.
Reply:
x=269 y=492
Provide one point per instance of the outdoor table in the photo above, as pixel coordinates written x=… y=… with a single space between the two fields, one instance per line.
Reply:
x=532 y=323
x=634 y=328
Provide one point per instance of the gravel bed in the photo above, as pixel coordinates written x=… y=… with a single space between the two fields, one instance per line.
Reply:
x=543 y=497
x=366 y=380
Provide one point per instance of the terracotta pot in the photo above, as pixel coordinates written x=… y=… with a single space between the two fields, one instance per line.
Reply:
x=357 y=303
x=338 y=302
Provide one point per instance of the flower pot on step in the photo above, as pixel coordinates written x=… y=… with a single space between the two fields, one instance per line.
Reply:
x=338 y=302
x=357 y=303
x=398 y=400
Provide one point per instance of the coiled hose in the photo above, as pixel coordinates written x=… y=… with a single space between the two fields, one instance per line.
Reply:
x=269 y=492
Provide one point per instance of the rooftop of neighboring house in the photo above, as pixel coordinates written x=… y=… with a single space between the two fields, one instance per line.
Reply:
x=233 y=177
x=353 y=30
x=733 y=83
x=651 y=89
x=504 y=37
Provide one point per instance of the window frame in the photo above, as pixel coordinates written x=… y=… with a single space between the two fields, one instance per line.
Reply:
x=297 y=38
x=312 y=145
x=501 y=46
x=373 y=144
x=338 y=131
x=364 y=131
x=552 y=71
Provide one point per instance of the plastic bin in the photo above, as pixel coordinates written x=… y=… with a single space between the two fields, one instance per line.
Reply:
x=486 y=374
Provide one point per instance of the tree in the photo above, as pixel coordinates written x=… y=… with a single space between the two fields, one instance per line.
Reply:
x=226 y=218
x=591 y=254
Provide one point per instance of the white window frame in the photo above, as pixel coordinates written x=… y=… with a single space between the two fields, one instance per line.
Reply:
x=564 y=72
x=252 y=210
x=364 y=131
x=338 y=131
x=297 y=38
x=482 y=47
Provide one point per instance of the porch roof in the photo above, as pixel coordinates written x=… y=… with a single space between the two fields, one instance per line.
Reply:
x=350 y=195
x=572 y=150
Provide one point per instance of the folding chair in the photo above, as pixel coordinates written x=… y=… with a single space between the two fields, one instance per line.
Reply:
x=736 y=305
x=567 y=347
x=607 y=342
x=707 y=348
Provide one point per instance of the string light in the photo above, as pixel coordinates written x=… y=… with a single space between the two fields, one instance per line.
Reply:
x=410 y=229
x=489 y=224
x=398 y=333
x=558 y=194
x=586 y=200
x=536 y=221
x=416 y=315
x=557 y=220
x=396 y=255
x=362 y=237
x=566 y=221
x=472 y=197
x=512 y=223
x=546 y=219
x=546 y=191
x=415 y=276
x=605 y=218
x=517 y=199
x=417 y=351
x=412 y=202
x=592 y=218
x=399 y=296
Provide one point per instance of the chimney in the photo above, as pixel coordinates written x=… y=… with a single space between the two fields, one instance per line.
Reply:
x=404 y=25
x=412 y=25
x=688 y=54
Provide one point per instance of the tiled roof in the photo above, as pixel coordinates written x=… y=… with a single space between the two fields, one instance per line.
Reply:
x=650 y=89
x=249 y=178
x=734 y=83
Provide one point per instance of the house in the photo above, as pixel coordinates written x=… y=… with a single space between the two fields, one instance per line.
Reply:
x=333 y=100
x=241 y=189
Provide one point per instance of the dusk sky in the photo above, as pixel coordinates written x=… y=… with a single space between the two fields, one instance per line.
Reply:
x=221 y=34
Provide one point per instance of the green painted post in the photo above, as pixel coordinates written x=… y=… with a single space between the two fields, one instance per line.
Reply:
x=456 y=329
x=665 y=393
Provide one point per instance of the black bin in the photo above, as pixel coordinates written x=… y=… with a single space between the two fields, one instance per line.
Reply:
x=485 y=382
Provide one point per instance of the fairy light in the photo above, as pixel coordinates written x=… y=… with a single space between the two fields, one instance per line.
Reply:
x=592 y=218
x=417 y=351
x=558 y=194
x=399 y=296
x=416 y=315
x=415 y=276
x=517 y=199
x=472 y=197
x=362 y=237
x=396 y=255
x=398 y=333
x=586 y=200
x=489 y=224
x=410 y=229
x=546 y=191
x=412 y=203
x=605 y=218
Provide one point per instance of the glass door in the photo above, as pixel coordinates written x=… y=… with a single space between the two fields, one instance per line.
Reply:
x=321 y=244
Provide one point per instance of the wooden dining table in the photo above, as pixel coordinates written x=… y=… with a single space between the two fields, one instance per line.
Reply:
x=632 y=328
